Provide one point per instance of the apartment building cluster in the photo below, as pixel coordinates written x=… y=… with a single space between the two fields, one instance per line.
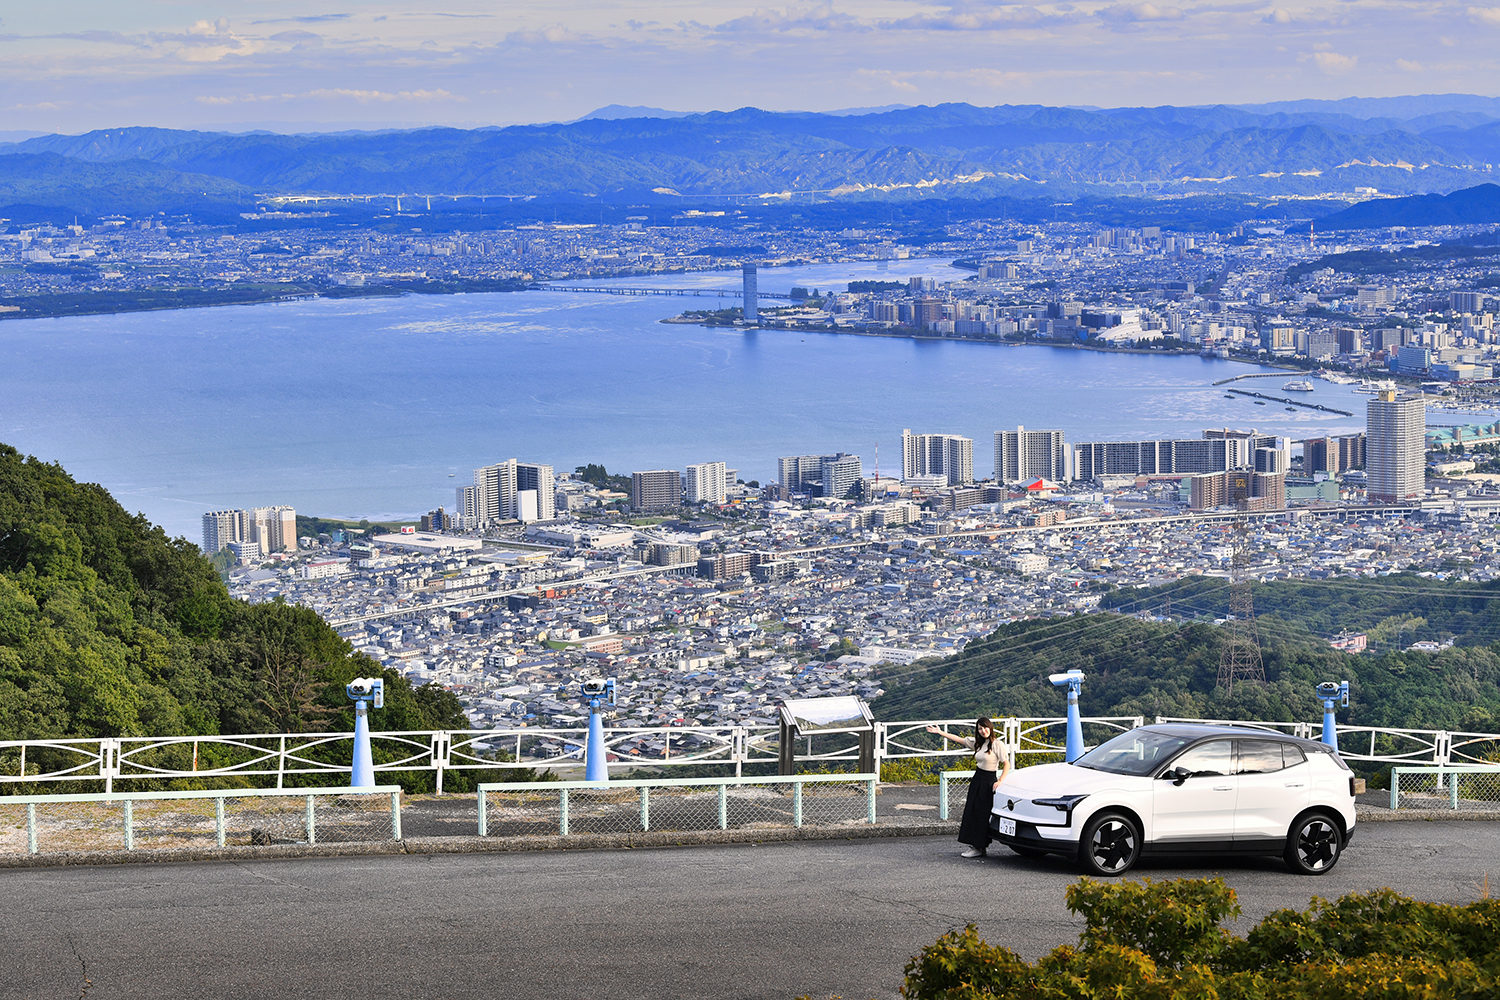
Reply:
x=250 y=534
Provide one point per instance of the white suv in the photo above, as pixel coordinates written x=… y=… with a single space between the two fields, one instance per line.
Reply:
x=1183 y=789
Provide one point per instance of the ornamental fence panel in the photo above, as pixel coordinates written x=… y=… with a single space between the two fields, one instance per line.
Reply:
x=310 y=759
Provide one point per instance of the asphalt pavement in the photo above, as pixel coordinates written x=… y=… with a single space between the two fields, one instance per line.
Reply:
x=780 y=920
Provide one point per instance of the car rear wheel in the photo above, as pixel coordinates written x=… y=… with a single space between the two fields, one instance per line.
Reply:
x=1111 y=845
x=1313 y=845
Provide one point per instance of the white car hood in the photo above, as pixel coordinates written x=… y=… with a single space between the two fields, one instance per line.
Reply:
x=1045 y=781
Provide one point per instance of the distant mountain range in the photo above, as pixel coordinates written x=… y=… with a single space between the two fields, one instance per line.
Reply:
x=630 y=155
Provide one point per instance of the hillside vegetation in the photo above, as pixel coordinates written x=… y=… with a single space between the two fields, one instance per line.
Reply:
x=1138 y=667
x=110 y=628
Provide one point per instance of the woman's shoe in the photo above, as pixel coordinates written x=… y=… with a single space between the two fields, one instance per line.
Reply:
x=972 y=852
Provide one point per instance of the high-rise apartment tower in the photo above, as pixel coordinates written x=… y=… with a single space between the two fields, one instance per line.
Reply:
x=1395 y=448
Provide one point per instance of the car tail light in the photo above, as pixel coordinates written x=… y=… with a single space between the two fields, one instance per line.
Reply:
x=1351 y=786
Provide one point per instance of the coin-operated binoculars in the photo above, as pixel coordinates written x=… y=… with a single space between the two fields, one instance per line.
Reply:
x=597 y=690
x=1072 y=680
x=1332 y=692
x=363 y=691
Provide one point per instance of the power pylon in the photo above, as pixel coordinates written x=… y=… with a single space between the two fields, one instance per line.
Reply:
x=1239 y=657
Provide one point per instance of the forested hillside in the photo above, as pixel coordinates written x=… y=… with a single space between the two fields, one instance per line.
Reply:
x=1138 y=667
x=110 y=628
x=1394 y=611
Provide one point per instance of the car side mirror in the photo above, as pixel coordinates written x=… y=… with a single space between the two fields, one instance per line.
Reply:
x=1177 y=775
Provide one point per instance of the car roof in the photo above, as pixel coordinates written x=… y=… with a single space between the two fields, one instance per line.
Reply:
x=1200 y=731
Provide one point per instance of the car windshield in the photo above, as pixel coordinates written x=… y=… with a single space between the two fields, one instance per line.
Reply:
x=1135 y=752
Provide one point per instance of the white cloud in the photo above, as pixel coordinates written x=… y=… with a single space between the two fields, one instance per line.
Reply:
x=1334 y=64
x=1138 y=13
x=1484 y=15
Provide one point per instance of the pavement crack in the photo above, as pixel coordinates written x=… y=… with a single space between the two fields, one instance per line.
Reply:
x=270 y=878
x=83 y=967
x=908 y=905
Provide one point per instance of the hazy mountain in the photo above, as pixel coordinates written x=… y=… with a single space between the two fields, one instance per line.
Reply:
x=633 y=154
x=1471 y=206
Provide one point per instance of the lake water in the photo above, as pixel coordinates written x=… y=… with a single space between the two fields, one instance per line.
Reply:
x=362 y=408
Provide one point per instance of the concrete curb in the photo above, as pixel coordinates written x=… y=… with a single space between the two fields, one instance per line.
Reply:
x=473 y=845
x=1374 y=814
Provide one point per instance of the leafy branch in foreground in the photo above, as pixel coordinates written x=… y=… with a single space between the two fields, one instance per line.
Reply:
x=1164 y=941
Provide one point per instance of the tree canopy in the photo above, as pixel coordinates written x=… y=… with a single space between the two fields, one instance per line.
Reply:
x=108 y=627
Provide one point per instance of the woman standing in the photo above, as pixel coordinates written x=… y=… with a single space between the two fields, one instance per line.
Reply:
x=989 y=758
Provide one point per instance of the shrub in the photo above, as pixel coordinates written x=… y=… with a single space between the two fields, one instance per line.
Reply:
x=1163 y=941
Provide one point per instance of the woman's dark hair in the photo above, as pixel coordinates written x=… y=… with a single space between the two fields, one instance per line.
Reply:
x=988 y=744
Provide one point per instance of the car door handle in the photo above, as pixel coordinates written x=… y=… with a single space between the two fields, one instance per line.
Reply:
x=1223 y=788
x=1294 y=784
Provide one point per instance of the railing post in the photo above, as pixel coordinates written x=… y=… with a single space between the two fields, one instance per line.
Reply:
x=870 y=801
x=281 y=763
x=129 y=825
x=312 y=820
x=724 y=806
x=562 y=812
x=1395 y=788
x=943 y=796
x=219 y=820
x=484 y=819
x=879 y=745
x=645 y=809
x=396 y=815
x=31 y=827
x=1453 y=790
x=797 y=803
x=741 y=743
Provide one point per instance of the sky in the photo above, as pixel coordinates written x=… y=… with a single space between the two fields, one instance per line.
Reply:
x=74 y=65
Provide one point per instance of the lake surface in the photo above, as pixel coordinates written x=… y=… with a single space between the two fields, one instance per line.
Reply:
x=362 y=408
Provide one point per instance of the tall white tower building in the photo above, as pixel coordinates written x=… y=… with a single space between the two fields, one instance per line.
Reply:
x=1396 y=429
x=707 y=482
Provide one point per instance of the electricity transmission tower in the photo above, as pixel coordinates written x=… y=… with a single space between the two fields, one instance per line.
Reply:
x=1239 y=658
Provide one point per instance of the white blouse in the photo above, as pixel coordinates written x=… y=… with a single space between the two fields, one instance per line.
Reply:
x=986 y=760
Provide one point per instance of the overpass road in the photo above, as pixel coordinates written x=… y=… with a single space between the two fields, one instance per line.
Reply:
x=769 y=921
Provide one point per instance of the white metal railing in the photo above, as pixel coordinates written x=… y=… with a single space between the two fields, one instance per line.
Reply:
x=1471 y=786
x=182 y=827
x=278 y=757
x=625 y=806
x=1386 y=745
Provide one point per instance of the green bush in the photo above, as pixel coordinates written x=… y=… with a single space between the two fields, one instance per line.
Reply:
x=1163 y=941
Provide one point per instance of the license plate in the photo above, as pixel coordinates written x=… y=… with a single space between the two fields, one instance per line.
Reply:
x=1007 y=827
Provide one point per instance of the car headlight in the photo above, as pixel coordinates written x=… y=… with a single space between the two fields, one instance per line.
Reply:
x=1063 y=803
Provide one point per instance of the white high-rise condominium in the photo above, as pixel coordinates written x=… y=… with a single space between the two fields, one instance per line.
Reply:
x=1395 y=445
x=707 y=482
x=220 y=527
x=1022 y=455
x=495 y=492
x=497 y=488
x=937 y=455
x=268 y=529
x=543 y=480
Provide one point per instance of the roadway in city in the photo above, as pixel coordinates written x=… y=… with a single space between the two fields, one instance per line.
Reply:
x=773 y=921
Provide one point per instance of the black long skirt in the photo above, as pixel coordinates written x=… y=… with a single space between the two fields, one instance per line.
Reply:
x=974 y=828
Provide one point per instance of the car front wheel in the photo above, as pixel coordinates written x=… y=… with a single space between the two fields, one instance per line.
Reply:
x=1314 y=845
x=1111 y=845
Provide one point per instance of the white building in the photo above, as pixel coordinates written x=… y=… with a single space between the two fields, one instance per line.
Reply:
x=1022 y=455
x=1395 y=446
x=945 y=455
x=707 y=482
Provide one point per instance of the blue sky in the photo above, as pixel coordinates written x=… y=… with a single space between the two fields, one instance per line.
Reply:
x=74 y=65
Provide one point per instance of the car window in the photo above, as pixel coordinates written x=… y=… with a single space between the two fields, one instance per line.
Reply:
x=1291 y=755
x=1136 y=752
x=1207 y=760
x=1259 y=756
